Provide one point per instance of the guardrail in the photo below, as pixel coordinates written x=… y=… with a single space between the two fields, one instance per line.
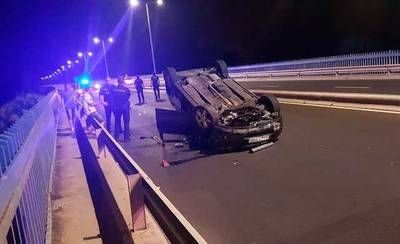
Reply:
x=27 y=153
x=384 y=58
x=143 y=191
x=385 y=71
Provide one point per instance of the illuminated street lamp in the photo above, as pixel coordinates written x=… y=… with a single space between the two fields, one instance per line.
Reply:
x=85 y=57
x=134 y=4
x=110 y=40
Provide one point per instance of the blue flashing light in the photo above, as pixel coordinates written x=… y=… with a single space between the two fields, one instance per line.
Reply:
x=84 y=80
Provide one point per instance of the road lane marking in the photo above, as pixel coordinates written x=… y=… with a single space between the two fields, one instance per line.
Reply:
x=352 y=87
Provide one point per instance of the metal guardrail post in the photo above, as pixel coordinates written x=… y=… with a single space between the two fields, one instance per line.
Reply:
x=135 y=186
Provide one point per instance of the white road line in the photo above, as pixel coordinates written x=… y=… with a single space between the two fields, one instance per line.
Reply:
x=352 y=87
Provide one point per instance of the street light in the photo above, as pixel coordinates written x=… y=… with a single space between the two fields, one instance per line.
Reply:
x=97 y=40
x=85 y=57
x=134 y=4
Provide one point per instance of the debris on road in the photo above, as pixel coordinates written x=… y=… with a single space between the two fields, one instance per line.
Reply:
x=262 y=147
x=164 y=163
x=179 y=145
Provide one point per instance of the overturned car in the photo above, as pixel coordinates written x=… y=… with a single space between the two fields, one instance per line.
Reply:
x=214 y=110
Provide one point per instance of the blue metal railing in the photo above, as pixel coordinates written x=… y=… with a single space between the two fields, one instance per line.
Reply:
x=387 y=58
x=27 y=152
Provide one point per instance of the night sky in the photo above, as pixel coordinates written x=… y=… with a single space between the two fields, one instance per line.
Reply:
x=38 y=36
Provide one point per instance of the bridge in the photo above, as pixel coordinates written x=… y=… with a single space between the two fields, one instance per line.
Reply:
x=332 y=177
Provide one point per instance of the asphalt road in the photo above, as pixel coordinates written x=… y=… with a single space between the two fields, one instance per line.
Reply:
x=333 y=177
x=346 y=86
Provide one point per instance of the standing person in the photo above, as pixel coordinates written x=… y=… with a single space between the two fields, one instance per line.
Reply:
x=139 y=85
x=89 y=108
x=155 y=81
x=122 y=107
x=105 y=95
x=70 y=104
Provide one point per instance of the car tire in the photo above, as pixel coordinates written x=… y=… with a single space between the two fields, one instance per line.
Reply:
x=221 y=68
x=170 y=77
x=270 y=102
x=204 y=120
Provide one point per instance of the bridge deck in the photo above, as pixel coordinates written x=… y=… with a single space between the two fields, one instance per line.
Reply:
x=333 y=176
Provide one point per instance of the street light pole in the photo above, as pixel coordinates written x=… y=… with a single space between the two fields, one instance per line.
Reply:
x=105 y=58
x=97 y=40
x=151 y=38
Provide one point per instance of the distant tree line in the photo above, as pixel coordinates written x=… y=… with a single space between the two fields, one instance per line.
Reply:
x=11 y=111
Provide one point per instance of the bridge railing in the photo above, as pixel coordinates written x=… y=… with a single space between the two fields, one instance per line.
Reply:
x=27 y=153
x=382 y=72
x=384 y=58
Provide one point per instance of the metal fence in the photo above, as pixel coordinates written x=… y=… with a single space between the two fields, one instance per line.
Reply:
x=27 y=152
x=385 y=58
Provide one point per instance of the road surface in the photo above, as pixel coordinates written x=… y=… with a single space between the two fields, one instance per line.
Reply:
x=333 y=177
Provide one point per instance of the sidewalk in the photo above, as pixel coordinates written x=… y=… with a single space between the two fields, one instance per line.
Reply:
x=73 y=215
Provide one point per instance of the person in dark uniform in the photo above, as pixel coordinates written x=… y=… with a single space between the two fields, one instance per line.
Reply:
x=155 y=81
x=139 y=85
x=106 y=99
x=122 y=107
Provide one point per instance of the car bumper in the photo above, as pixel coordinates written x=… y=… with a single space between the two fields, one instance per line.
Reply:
x=231 y=140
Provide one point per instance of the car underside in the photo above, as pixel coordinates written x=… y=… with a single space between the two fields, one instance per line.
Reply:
x=216 y=111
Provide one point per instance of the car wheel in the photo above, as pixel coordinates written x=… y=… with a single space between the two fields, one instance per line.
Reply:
x=170 y=77
x=221 y=68
x=204 y=119
x=270 y=102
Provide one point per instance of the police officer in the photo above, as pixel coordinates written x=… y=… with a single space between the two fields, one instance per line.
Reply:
x=121 y=95
x=106 y=99
x=139 y=85
x=155 y=81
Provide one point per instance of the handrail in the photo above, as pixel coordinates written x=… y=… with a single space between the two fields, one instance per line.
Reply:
x=25 y=185
x=350 y=60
